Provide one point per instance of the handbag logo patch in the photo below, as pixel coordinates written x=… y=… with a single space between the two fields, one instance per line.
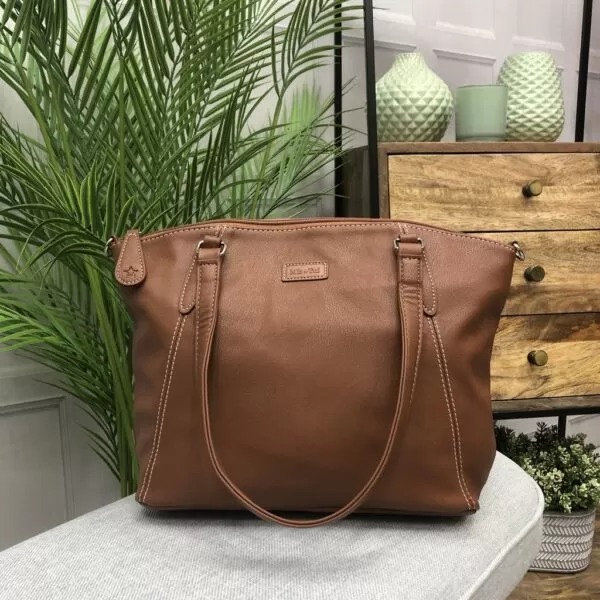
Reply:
x=306 y=271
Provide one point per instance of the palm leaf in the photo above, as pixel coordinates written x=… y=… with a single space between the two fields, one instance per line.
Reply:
x=148 y=114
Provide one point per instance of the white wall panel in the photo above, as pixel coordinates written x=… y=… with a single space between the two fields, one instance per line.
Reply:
x=35 y=486
x=48 y=472
x=466 y=17
x=463 y=68
x=399 y=11
x=592 y=113
x=595 y=35
x=540 y=26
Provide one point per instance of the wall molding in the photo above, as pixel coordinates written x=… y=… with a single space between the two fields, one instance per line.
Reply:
x=59 y=404
x=25 y=369
x=21 y=386
x=389 y=16
x=480 y=59
x=581 y=418
x=522 y=40
x=358 y=40
x=445 y=26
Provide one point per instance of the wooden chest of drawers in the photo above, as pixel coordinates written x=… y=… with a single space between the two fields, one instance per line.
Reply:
x=547 y=198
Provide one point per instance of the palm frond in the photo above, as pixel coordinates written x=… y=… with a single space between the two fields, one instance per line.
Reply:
x=147 y=114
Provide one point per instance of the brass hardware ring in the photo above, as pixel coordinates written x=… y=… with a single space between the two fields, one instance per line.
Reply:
x=518 y=250
x=222 y=246
x=397 y=244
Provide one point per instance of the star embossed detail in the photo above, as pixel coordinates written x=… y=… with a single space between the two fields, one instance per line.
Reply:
x=130 y=271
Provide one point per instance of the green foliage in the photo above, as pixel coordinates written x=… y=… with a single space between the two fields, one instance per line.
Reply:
x=147 y=114
x=510 y=443
x=566 y=469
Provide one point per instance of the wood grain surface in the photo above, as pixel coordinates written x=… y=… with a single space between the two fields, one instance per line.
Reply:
x=572 y=343
x=556 y=586
x=483 y=192
x=483 y=147
x=538 y=406
x=571 y=260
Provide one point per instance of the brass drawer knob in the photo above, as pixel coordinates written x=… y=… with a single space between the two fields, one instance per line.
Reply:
x=533 y=188
x=538 y=357
x=535 y=273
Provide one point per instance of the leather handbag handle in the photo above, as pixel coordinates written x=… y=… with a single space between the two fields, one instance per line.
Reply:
x=409 y=250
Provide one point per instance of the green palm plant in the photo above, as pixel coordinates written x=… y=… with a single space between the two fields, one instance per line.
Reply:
x=148 y=114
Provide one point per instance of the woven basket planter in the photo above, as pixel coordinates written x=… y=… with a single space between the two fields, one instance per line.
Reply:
x=566 y=542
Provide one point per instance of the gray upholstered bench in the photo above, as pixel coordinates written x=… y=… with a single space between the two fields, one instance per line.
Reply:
x=126 y=552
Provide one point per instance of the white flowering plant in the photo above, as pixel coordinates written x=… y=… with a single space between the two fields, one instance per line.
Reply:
x=566 y=469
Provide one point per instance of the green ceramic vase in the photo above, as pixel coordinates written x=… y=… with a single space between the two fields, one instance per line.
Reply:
x=535 y=109
x=413 y=103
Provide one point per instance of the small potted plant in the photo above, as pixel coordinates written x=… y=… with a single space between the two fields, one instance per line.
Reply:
x=568 y=472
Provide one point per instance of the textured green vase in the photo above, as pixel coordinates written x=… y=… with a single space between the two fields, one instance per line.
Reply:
x=413 y=103
x=535 y=109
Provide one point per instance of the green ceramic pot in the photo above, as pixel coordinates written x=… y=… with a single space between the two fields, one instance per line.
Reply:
x=535 y=109
x=481 y=113
x=413 y=103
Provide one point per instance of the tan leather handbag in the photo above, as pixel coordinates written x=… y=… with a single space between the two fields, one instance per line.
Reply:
x=313 y=365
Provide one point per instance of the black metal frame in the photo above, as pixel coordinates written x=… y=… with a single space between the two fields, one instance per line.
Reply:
x=546 y=412
x=369 y=40
x=337 y=115
x=584 y=59
x=561 y=414
x=371 y=110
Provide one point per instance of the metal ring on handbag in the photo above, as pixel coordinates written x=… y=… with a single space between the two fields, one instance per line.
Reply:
x=398 y=240
x=109 y=241
x=222 y=246
x=518 y=251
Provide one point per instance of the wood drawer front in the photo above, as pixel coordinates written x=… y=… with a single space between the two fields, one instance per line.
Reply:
x=483 y=192
x=572 y=343
x=571 y=260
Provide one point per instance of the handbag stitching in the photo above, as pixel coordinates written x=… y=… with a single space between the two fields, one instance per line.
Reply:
x=142 y=274
x=453 y=406
x=188 y=308
x=197 y=321
x=402 y=304
x=308 y=262
x=171 y=368
x=404 y=229
x=160 y=405
x=153 y=237
x=433 y=309
x=120 y=261
x=456 y=462
x=467 y=237
x=419 y=302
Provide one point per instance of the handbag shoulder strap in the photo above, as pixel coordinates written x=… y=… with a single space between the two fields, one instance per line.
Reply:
x=409 y=251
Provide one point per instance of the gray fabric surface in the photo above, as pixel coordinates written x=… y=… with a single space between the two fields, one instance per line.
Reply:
x=124 y=551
